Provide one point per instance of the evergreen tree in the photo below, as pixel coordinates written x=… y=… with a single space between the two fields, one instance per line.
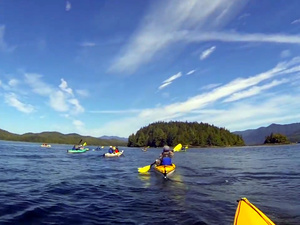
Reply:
x=192 y=134
x=276 y=139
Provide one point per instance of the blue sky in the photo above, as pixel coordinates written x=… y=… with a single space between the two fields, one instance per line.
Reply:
x=111 y=67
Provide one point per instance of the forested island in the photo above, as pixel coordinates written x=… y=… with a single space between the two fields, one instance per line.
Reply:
x=58 y=138
x=276 y=139
x=187 y=133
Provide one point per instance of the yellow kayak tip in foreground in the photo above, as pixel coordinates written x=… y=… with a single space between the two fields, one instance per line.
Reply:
x=247 y=214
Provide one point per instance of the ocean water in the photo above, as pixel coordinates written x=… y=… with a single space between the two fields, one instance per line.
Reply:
x=49 y=186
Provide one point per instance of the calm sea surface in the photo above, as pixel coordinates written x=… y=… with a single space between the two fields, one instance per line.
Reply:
x=48 y=186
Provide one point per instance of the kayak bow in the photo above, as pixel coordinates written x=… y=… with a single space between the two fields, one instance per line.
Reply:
x=247 y=214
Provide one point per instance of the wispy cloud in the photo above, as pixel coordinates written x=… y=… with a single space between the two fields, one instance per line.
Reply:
x=251 y=114
x=169 y=80
x=64 y=87
x=164 y=85
x=76 y=105
x=207 y=52
x=3 y=45
x=78 y=124
x=165 y=24
x=83 y=93
x=295 y=21
x=58 y=101
x=241 y=37
x=186 y=23
x=88 y=44
x=61 y=98
x=241 y=88
x=13 y=82
x=12 y=100
x=68 y=6
x=245 y=15
x=172 y=78
x=285 y=53
x=210 y=86
x=190 y=72
x=129 y=111
x=37 y=85
x=254 y=90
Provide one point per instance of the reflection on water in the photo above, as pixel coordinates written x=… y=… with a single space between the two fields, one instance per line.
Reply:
x=40 y=186
x=145 y=178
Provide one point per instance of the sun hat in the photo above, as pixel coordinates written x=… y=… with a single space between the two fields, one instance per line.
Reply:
x=166 y=148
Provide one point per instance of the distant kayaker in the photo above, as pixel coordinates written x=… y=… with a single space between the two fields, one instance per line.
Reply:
x=110 y=150
x=77 y=147
x=165 y=156
x=116 y=150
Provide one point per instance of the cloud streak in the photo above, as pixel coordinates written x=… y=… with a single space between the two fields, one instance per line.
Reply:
x=191 y=72
x=3 y=45
x=255 y=90
x=12 y=100
x=295 y=21
x=185 y=24
x=130 y=111
x=88 y=44
x=241 y=37
x=207 y=52
x=164 y=21
x=168 y=81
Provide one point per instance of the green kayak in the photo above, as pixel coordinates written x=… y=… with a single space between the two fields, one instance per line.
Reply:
x=78 y=150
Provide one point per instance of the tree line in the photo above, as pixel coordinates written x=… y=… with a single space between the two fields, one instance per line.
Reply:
x=187 y=133
x=276 y=139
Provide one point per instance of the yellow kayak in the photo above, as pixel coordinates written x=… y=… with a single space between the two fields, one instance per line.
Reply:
x=247 y=214
x=165 y=170
x=113 y=154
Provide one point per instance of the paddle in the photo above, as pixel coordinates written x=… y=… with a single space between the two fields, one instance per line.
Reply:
x=78 y=144
x=177 y=148
x=145 y=169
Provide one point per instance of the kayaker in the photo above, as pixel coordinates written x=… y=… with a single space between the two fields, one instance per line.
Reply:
x=76 y=147
x=165 y=156
x=116 y=150
x=110 y=150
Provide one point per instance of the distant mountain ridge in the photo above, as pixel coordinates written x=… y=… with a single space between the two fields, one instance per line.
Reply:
x=114 y=138
x=59 y=138
x=257 y=136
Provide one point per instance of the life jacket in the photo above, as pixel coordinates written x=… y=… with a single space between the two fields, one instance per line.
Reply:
x=166 y=161
x=110 y=150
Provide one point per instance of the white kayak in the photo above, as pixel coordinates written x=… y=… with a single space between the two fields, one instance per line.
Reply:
x=113 y=154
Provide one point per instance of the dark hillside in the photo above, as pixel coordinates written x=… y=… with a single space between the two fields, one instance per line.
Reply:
x=258 y=136
x=59 y=138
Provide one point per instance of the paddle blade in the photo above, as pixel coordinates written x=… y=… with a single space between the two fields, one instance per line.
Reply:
x=84 y=144
x=177 y=148
x=144 y=169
